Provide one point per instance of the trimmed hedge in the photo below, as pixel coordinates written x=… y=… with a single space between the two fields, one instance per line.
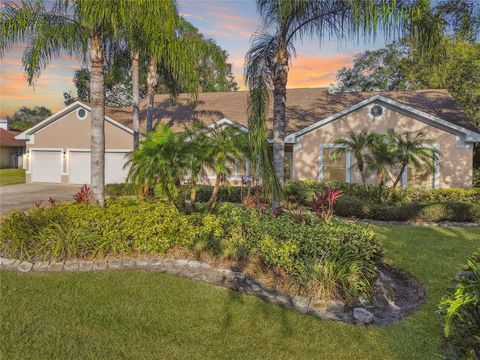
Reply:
x=349 y=206
x=336 y=259
x=303 y=191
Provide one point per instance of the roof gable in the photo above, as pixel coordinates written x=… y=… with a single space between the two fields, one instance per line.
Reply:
x=59 y=114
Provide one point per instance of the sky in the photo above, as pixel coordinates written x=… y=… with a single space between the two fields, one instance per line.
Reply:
x=230 y=23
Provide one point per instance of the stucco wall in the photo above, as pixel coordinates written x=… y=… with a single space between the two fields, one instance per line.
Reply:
x=4 y=157
x=455 y=162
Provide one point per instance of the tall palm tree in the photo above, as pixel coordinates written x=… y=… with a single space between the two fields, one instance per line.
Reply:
x=358 y=144
x=75 y=28
x=178 y=50
x=413 y=150
x=267 y=61
x=139 y=28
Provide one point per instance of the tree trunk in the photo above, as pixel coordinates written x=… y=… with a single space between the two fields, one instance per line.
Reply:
x=193 y=194
x=152 y=80
x=135 y=98
x=97 y=129
x=399 y=177
x=216 y=190
x=279 y=117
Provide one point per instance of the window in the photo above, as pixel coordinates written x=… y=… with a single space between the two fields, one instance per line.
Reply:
x=420 y=178
x=81 y=113
x=334 y=168
x=241 y=168
x=376 y=111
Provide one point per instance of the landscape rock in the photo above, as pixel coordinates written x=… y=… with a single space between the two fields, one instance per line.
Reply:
x=114 y=264
x=25 y=266
x=40 y=266
x=85 y=265
x=55 y=266
x=100 y=266
x=363 y=316
x=71 y=265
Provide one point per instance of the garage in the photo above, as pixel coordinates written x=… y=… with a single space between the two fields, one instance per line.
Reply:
x=46 y=166
x=79 y=167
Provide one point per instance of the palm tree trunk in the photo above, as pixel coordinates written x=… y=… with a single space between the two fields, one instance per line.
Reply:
x=216 y=190
x=136 y=98
x=399 y=177
x=97 y=129
x=279 y=117
x=152 y=80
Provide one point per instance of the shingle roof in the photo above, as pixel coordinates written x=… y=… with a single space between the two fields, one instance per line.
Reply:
x=7 y=138
x=304 y=107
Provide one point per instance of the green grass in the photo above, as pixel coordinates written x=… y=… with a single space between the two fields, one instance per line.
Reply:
x=134 y=314
x=12 y=176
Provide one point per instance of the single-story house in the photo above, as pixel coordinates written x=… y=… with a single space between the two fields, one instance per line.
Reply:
x=58 y=147
x=11 y=149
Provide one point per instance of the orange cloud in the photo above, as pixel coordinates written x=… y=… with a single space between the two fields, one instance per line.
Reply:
x=307 y=71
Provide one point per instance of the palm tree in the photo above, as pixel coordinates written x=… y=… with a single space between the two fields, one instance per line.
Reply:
x=225 y=146
x=178 y=51
x=413 y=150
x=139 y=28
x=267 y=61
x=77 y=29
x=380 y=158
x=161 y=159
x=358 y=145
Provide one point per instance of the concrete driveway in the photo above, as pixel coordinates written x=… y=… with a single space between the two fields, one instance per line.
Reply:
x=24 y=196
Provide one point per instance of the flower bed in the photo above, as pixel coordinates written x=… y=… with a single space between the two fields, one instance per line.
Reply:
x=305 y=256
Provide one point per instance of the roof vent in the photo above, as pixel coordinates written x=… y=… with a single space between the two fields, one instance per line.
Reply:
x=81 y=113
x=376 y=112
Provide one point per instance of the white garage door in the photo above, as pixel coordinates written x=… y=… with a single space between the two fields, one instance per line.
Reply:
x=114 y=172
x=79 y=167
x=46 y=166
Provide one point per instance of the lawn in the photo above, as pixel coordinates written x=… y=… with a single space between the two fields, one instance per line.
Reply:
x=12 y=176
x=134 y=314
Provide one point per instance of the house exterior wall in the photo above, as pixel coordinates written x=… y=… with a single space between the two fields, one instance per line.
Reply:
x=69 y=132
x=455 y=161
x=4 y=157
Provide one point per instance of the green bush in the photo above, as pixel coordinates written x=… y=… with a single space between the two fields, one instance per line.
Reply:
x=460 y=314
x=116 y=190
x=303 y=191
x=476 y=178
x=322 y=259
x=348 y=206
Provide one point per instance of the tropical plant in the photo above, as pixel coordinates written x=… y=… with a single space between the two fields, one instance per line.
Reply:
x=323 y=202
x=412 y=150
x=78 y=28
x=380 y=159
x=161 y=159
x=460 y=313
x=267 y=61
x=358 y=144
x=83 y=196
x=226 y=145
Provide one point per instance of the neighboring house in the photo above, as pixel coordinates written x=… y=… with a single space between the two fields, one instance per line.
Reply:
x=315 y=119
x=11 y=149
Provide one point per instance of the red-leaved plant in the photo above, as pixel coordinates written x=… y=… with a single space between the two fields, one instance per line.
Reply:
x=322 y=202
x=84 y=195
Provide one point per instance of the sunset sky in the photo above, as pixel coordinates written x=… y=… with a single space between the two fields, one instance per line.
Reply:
x=229 y=23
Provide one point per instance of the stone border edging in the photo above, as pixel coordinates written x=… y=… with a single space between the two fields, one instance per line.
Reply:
x=361 y=313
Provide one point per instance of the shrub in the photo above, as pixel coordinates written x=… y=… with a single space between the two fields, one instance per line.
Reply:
x=460 y=314
x=323 y=202
x=334 y=259
x=84 y=195
x=476 y=178
x=116 y=190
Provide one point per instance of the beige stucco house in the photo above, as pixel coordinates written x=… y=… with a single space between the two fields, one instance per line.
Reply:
x=315 y=119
